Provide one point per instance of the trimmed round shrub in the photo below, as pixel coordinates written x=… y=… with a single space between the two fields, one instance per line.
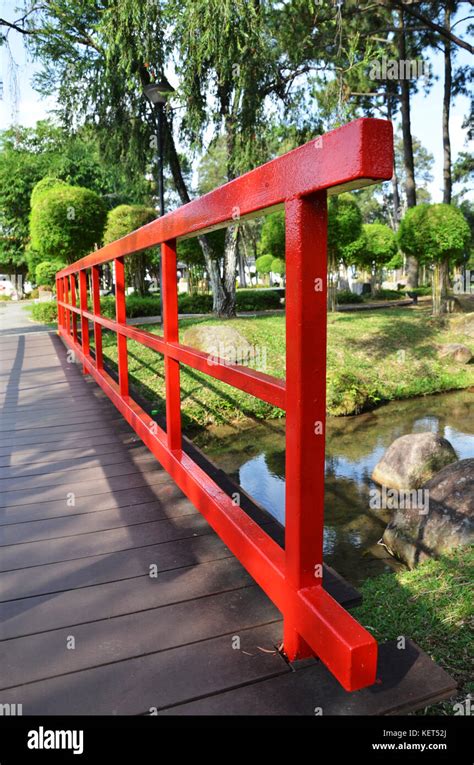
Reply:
x=45 y=184
x=278 y=266
x=124 y=219
x=66 y=222
x=263 y=264
x=45 y=273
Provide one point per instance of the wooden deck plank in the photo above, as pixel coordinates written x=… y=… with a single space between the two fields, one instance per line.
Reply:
x=88 y=523
x=74 y=460
x=74 y=473
x=164 y=494
x=135 y=686
x=43 y=613
x=30 y=554
x=26 y=458
x=123 y=637
x=109 y=567
x=60 y=433
x=407 y=680
x=19 y=497
x=58 y=442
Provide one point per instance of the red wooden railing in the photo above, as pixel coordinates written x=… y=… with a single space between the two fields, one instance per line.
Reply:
x=355 y=155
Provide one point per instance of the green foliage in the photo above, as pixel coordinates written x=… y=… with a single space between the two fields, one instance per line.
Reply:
x=344 y=227
x=373 y=206
x=258 y=300
x=247 y=300
x=363 y=361
x=423 y=290
x=349 y=393
x=346 y=296
x=212 y=170
x=45 y=272
x=28 y=155
x=190 y=252
x=44 y=185
x=380 y=244
x=46 y=313
x=136 y=306
x=432 y=603
x=272 y=236
x=226 y=56
x=396 y=261
x=263 y=264
x=194 y=303
x=388 y=295
x=410 y=236
x=434 y=233
x=126 y=218
x=66 y=222
x=278 y=266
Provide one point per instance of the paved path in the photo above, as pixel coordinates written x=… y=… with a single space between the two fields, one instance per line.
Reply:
x=16 y=319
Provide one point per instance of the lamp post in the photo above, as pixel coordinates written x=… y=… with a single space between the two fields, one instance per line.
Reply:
x=157 y=94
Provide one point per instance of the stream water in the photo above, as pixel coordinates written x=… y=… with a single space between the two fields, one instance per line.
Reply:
x=254 y=455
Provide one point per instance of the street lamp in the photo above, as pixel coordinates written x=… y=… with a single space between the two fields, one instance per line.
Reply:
x=157 y=94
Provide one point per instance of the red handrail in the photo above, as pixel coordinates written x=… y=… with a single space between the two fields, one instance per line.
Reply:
x=355 y=155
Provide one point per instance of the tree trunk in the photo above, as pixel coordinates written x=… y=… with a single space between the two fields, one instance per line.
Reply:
x=395 y=189
x=332 y=282
x=396 y=198
x=242 y=277
x=410 y=187
x=226 y=309
x=440 y=287
x=212 y=266
x=447 y=191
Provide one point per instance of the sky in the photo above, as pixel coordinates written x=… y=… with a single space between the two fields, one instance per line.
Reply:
x=425 y=111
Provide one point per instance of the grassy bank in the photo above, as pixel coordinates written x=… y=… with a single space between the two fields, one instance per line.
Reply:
x=373 y=357
x=432 y=605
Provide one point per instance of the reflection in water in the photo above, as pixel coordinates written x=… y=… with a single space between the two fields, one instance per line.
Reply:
x=254 y=455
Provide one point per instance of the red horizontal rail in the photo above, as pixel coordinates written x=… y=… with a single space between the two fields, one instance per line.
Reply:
x=258 y=384
x=350 y=157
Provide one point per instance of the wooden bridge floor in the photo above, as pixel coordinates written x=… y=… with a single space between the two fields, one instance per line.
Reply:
x=85 y=511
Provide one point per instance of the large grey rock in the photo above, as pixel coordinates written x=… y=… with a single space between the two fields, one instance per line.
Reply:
x=414 y=534
x=456 y=352
x=222 y=343
x=412 y=460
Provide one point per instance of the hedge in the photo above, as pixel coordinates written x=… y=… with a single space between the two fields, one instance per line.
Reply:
x=387 y=295
x=346 y=296
x=47 y=313
x=247 y=300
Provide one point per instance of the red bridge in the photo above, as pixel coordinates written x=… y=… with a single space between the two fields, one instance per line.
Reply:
x=300 y=181
x=87 y=512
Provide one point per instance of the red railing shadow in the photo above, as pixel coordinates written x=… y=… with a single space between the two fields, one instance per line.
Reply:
x=358 y=154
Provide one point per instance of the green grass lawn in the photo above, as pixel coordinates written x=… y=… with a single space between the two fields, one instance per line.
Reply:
x=433 y=606
x=373 y=356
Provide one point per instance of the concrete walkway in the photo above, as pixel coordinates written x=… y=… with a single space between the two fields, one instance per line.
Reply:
x=15 y=319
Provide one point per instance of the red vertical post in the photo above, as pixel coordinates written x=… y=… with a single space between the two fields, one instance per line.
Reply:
x=59 y=297
x=121 y=318
x=84 y=321
x=306 y=317
x=99 y=362
x=67 y=312
x=72 y=285
x=169 y=308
